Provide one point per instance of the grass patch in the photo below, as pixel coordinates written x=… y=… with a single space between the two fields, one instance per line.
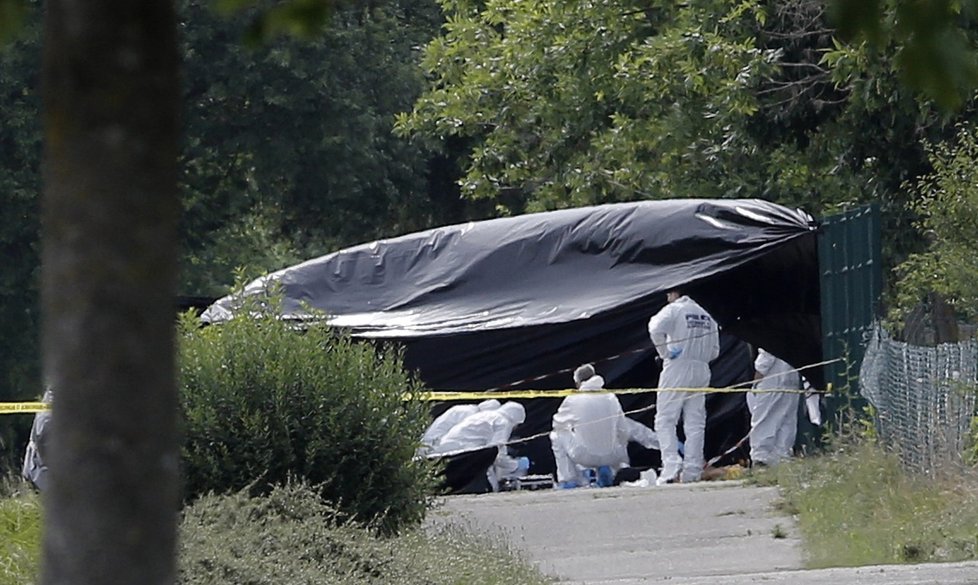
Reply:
x=762 y=477
x=291 y=536
x=20 y=533
x=858 y=507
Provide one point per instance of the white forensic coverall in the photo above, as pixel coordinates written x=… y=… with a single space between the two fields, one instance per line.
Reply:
x=35 y=470
x=487 y=429
x=687 y=339
x=448 y=419
x=773 y=415
x=591 y=430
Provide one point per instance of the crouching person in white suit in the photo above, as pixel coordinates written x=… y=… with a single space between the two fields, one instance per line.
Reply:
x=489 y=428
x=448 y=419
x=590 y=431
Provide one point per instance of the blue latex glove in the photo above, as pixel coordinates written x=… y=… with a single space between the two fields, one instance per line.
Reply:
x=675 y=352
x=523 y=464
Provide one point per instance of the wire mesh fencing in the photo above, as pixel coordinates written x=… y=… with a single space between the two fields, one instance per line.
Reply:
x=924 y=399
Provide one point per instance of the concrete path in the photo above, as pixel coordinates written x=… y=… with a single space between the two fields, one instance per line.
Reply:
x=721 y=533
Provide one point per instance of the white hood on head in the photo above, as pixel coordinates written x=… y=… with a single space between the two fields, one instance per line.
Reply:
x=514 y=411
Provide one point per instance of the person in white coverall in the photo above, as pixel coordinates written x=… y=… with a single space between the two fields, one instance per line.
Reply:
x=591 y=431
x=448 y=419
x=489 y=428
x=35 y=468
x=773 y=415
x=687 y=339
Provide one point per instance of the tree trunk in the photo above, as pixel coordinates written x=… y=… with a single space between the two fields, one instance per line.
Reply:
x=110 y=208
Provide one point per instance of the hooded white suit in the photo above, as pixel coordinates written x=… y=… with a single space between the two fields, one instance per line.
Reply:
x=35 y=468
x=591 y=430
x=448 y=419
x=687 y=339
x=490 y=428
x=773 y=415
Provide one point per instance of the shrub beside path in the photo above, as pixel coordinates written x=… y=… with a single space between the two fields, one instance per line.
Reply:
x=711 y=532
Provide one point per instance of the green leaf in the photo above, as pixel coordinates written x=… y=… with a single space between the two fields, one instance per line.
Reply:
x=12 y=14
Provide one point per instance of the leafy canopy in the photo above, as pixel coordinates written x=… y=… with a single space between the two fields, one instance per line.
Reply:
x=935 y=53
x=569 y=103
x=947 y=203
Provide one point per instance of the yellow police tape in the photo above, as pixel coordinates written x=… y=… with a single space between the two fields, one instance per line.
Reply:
x=446 y=396
x=441 y=396
x=14 y=407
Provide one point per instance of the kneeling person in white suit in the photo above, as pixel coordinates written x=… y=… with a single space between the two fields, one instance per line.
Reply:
x=591 y=431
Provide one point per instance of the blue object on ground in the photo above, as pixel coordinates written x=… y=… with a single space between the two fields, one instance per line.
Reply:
x=567 y=485
x=606 y=477
x=590 y=476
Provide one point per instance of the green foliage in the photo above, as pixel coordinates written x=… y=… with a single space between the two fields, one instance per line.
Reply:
x=566 y=104
x=946 y=201
x=20 y=534
x=935 y=52
x=299 y=18
x=291 y=536
x=569 y=104
x=20 y=155
x=866 y=424
x=857 y=506
x=970 y=454
x=289 y=151
x=265 y=402
x=250 y=244
x=11 y=17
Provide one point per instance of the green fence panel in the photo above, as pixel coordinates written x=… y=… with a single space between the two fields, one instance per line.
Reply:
x=851 y=282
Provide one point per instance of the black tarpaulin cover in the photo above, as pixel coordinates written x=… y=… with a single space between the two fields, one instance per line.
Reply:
x=496 y=303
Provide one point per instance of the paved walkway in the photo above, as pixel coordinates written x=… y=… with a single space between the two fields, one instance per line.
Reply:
x=721 y=533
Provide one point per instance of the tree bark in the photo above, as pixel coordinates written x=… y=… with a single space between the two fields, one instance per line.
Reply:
x=945 y=320
x=110 y=209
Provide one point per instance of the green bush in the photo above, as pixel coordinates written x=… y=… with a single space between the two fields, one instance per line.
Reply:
x=946 y=202
x=292 y=536
x=265 y=402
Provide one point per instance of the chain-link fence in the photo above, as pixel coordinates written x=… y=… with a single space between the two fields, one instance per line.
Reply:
x=924 y=398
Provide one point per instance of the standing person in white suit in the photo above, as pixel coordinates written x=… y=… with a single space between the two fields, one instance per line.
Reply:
x=687 y=339
x=35 y=468
x=773 y=415
x=591 y=431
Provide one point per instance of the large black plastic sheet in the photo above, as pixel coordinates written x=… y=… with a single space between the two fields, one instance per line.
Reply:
x=519 y=302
